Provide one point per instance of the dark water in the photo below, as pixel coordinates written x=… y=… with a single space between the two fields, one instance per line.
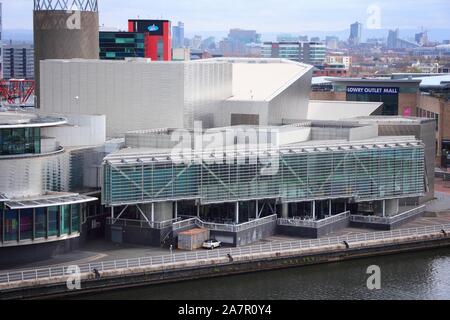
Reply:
x=420 y=275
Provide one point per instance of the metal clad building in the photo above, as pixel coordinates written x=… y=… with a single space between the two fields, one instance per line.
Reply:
x=64 y=30
x=138 y=94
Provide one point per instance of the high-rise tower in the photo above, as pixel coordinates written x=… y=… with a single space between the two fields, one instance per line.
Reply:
x=355 y=33
x=64 y=30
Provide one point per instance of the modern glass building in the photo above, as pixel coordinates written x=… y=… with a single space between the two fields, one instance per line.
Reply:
x=121 y=45
x=41 y=220
x=36 y=205
x=357 y=172
x=18 y=141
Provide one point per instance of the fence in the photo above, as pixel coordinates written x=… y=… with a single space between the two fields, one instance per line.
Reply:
x=388 y=220
x=222 y=227
x=312 y=223
x=143 y=224
x=272 y=247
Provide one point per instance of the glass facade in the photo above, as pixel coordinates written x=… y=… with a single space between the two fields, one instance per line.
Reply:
x=121 y=45
x=390 y=107
x=365 y=174
x=39 y=223
x=20 y=141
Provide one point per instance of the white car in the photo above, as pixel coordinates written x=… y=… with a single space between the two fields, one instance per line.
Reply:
x=211 y=244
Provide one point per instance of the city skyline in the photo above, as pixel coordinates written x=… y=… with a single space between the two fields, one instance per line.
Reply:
x=266 y=16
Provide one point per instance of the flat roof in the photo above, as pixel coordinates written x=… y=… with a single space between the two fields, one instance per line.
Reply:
x=434 y=81
x=374 y=80
x=141 y=156
x=264 y=79
x=338 y=110
x=48 y=200
x=19 y=119
x=392 y=119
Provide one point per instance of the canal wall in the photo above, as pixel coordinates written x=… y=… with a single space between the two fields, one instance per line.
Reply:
x=221 y=266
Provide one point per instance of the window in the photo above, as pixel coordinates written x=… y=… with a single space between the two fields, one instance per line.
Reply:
x=11 y=225
x=40 y=222
x=390 y=102
x=75 y=209
x=26 y=224
x=65 y=219
x=20 y=141
x=52 y=221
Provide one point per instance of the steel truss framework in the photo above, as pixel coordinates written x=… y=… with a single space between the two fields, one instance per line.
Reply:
x=362 y=173
x=16 y=91
x=78 y=5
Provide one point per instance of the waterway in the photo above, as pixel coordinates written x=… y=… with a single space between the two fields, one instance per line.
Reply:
x=419 y=275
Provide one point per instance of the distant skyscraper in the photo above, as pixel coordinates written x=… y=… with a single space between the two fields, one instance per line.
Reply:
x=236 y=42
x=209 y=43
x=355 y=33
x=392 y=39
x=196 y=42
x=178 y=35
x=422 y=38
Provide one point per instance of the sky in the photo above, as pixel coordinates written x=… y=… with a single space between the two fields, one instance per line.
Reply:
x=262 y=15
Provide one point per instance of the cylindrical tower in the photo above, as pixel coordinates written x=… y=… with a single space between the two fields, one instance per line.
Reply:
x=64 y=30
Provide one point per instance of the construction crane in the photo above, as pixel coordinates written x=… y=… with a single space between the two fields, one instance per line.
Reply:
x=16 y=91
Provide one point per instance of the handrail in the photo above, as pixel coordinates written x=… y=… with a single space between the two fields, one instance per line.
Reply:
x=221 y=226
x=314 y=224
x=143 y=224
x=272 y=247
x=388 y=220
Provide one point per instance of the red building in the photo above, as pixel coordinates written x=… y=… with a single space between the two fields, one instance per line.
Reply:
x=158 y=42
x=331 y=70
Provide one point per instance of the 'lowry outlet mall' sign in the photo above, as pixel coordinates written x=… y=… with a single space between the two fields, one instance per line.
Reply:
x=372 y=90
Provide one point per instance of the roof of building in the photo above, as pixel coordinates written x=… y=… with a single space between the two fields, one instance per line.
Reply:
x=48 y=200
x=263 y=79
x=141 y=156
x=320 y=81
x=337 y=110
x=397 y=120
x=374 y=80
x=21 y=119
x=434 y=81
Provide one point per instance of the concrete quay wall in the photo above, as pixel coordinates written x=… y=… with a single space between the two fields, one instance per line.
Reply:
x=223 y=266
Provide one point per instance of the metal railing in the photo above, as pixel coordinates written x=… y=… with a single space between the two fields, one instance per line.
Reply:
x=143 y=224
x=388 y=220
x=312 y=223
x=272 y=247
x=223 y=227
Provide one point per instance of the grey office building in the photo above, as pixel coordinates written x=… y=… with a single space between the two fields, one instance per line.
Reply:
x=18 y=61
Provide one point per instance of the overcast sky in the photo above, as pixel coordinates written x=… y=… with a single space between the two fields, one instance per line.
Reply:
x=262 y=15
